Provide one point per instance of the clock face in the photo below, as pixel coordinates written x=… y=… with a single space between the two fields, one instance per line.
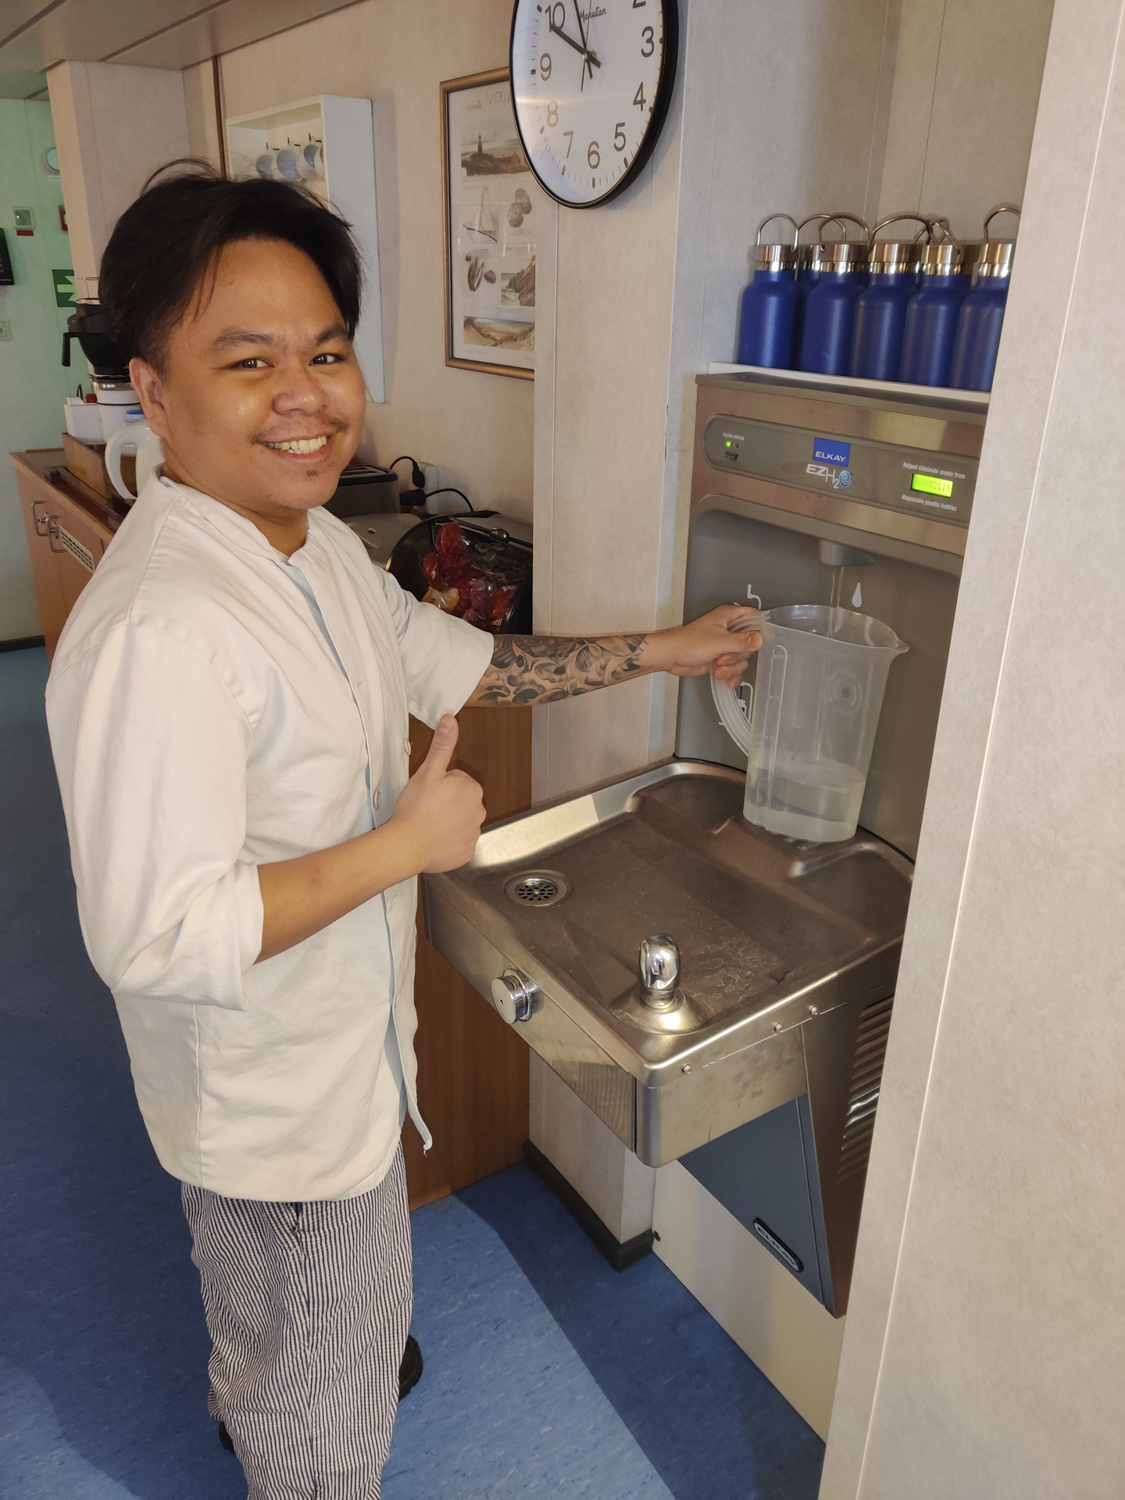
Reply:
x=590 y=83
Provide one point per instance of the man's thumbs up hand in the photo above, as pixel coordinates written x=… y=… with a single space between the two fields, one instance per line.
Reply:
x=441 y=811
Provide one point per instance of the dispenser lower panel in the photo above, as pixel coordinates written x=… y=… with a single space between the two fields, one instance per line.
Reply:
x=760 y=1174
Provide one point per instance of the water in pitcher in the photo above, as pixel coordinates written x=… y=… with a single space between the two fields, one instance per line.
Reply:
x=811 y=798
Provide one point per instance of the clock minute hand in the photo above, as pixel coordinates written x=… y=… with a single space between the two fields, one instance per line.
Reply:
x=582 y=33
x=587 y=55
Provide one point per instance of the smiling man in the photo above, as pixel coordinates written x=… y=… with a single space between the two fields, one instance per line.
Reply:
x=228 y=708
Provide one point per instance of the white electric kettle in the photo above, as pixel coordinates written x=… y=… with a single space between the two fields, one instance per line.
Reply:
x=138 y=438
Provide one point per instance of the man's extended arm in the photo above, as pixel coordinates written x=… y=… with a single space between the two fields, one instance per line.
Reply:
x=545 y=668
x=438 y=816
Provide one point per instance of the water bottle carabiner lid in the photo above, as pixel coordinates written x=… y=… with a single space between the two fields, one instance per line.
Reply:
x=942 y=259
x=843 y=218
x=840 y=255
x=891 y=257
x=806 y=254
x=770 y=218
x=996 y=256
x=775 y=256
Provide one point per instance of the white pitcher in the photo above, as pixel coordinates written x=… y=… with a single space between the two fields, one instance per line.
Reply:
x=138 y=438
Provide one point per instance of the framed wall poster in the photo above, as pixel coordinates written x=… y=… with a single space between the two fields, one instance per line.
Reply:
x=490 y=200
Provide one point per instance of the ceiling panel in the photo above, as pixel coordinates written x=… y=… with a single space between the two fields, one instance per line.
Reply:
x=222 y=28
x=145 y=33
x=15 y=15
x=22 y=85
x=86 y=30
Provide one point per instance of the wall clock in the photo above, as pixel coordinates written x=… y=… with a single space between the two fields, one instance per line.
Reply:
x=591 y=80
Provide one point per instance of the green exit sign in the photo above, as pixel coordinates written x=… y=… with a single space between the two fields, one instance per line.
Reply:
x=64 y=288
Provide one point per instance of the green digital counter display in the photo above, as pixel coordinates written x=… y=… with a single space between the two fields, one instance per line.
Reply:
x=931 y=486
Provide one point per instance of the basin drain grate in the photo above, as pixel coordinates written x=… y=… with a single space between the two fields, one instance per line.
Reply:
x=536 y=888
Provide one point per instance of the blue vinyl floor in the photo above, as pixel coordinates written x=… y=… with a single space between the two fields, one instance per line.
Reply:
x=547 y=1373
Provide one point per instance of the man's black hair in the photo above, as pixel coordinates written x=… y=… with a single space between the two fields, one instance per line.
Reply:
x=167 y=243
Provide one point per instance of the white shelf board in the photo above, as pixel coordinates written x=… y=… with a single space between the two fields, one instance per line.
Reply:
x=852 y=383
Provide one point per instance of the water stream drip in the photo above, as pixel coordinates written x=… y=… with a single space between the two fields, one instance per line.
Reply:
x=837 y=591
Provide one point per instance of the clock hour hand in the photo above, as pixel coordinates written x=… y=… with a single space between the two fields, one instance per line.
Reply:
x=587 y=55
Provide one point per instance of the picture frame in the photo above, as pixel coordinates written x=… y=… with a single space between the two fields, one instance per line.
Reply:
x=491 y=205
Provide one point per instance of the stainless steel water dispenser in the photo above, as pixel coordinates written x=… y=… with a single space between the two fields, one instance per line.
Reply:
x=822 y=494
x=815 y=495
x=759 y=1068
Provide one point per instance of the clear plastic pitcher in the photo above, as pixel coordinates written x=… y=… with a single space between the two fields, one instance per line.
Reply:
x=815 y=710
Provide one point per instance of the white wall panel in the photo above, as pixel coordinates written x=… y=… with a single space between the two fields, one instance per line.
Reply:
x=983 y=1356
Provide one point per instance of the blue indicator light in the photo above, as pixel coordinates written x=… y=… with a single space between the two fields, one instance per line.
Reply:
x=831 y=451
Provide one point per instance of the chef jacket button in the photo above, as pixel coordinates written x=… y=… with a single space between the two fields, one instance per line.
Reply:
x=375 y=797
x=407 y=746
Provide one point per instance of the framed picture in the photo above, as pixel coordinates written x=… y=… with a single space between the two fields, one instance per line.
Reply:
x=491 y=206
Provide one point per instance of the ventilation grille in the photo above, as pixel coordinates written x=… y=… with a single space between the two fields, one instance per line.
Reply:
x=76 y=549
x=863 y=1094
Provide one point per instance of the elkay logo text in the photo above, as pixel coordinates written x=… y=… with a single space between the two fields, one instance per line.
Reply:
x=830 y=451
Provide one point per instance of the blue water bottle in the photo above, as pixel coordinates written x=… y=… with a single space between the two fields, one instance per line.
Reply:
x=970 y=256
x=808 y=274
x=826 y=333
x=768 y=315
x=808 y=264
x=931 y=317
x=880 y=310
x=982 y=313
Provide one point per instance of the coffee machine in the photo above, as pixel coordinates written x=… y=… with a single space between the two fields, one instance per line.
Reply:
x=109 y=371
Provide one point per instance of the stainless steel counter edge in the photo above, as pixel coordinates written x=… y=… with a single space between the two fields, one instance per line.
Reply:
x=651 y=1057
x=567 y=817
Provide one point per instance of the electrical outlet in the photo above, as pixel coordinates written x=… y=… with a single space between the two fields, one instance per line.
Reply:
x=5 y=330
x=433 y=476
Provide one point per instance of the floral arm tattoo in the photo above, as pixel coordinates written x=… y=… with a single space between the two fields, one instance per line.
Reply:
x=545 y=668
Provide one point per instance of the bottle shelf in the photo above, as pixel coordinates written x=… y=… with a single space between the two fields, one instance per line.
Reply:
x=932 y=395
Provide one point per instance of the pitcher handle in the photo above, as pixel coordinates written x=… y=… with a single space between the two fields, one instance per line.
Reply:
x=113 y=450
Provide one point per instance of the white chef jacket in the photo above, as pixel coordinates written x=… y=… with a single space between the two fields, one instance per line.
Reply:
x=210 y=708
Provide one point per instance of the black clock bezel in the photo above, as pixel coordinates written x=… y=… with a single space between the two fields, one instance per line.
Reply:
x=670 y=20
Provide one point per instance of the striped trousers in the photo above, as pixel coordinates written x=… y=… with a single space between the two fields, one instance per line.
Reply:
x=308 y=1306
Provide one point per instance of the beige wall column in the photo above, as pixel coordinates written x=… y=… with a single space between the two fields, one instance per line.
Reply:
x=114 y=125
x=966 y=86
x=983 y=1356
x=775 y=108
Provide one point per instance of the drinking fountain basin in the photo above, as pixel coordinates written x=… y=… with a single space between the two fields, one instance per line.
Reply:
x=786 y=952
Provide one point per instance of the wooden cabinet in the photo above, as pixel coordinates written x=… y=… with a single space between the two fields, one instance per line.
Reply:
x=472 y=1068
x=67 y=534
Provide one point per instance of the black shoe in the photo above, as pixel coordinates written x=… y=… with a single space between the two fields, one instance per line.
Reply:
x=410 y=1371
x=225 y=1438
